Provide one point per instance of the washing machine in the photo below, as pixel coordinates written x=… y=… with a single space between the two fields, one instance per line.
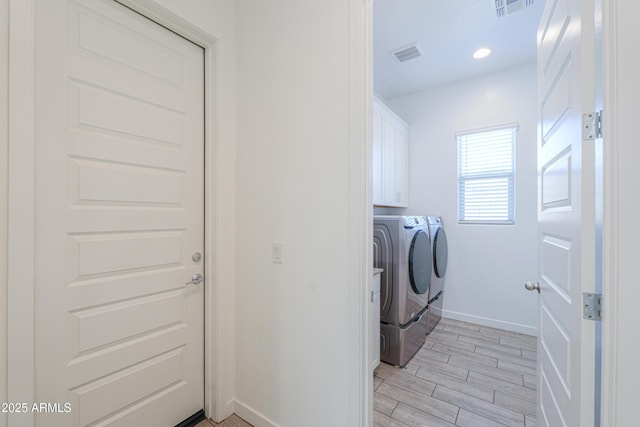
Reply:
x=402 y=248
x=439 y=250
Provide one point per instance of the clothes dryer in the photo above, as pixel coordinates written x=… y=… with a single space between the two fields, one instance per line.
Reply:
x=440 y=255
x=402 y=248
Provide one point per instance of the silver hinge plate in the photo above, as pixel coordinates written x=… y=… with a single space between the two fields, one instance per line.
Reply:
x=592 y=125
x=591 y=306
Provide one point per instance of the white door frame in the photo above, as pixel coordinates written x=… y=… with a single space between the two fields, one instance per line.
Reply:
x=361 y=206
x=219 y=248
x=619 y=288
x=4 y=164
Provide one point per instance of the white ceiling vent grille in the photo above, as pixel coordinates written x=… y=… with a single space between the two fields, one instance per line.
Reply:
x=407 y=53
x=506 y=7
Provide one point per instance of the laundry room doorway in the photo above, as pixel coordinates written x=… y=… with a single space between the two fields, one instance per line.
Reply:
x=544 y=86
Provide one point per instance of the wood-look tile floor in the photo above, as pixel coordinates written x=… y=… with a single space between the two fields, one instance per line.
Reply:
x=465 y=375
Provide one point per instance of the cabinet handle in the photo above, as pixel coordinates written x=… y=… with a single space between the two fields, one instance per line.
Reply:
x=398 y=198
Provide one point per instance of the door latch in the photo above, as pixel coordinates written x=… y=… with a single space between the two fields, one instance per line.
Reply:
x=195 y=279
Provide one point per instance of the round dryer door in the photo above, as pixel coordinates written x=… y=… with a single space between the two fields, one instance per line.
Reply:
x=420 y=262
x=440 y=251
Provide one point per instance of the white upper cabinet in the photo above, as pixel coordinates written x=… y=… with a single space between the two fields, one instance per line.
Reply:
x=390 y=158
x=378 y=184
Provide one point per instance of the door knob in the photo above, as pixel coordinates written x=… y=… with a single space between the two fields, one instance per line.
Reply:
x=530 y=286
x=195 y=279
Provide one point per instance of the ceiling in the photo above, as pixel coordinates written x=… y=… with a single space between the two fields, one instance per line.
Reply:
x=447 y=33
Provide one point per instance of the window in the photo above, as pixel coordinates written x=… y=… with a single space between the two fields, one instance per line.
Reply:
x=486 y=176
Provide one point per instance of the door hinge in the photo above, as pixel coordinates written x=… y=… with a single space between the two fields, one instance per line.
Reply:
x=591 y=306
x=592 y=125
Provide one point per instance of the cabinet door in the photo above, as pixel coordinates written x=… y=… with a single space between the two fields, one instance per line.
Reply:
x=390 y=158
x=378 y=123
x=389 y=163
x=402 y=167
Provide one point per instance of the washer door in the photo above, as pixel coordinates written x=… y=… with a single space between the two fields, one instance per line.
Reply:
x=440 y=251
x=420 y=262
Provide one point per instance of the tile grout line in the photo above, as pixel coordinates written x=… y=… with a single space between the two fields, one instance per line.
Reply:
x=394 y=408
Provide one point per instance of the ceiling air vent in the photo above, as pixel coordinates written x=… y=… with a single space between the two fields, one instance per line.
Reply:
x=506 y=7
x=407 y=53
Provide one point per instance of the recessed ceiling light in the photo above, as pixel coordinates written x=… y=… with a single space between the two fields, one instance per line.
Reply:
x=483 y=52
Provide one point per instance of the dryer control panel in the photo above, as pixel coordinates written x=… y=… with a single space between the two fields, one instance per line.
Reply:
x=414 y=221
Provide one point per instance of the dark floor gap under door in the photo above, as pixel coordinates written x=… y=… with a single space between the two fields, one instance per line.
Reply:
x=193 y=419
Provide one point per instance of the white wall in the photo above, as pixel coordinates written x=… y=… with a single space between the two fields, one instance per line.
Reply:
x=487 y=264
x=297 y=329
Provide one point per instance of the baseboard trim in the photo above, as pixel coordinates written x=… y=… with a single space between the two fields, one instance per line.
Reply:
x=492 y=323
x=252 y=416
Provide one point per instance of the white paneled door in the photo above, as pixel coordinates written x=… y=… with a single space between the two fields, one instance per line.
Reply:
x=119 y=218
x=566 y=215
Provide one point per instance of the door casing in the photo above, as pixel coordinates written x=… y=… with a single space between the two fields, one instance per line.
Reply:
x=4 y=164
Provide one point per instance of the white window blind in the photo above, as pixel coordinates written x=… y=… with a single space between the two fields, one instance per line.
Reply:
x=486 y=176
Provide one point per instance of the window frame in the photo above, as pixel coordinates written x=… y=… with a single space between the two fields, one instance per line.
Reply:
x=512 y=128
